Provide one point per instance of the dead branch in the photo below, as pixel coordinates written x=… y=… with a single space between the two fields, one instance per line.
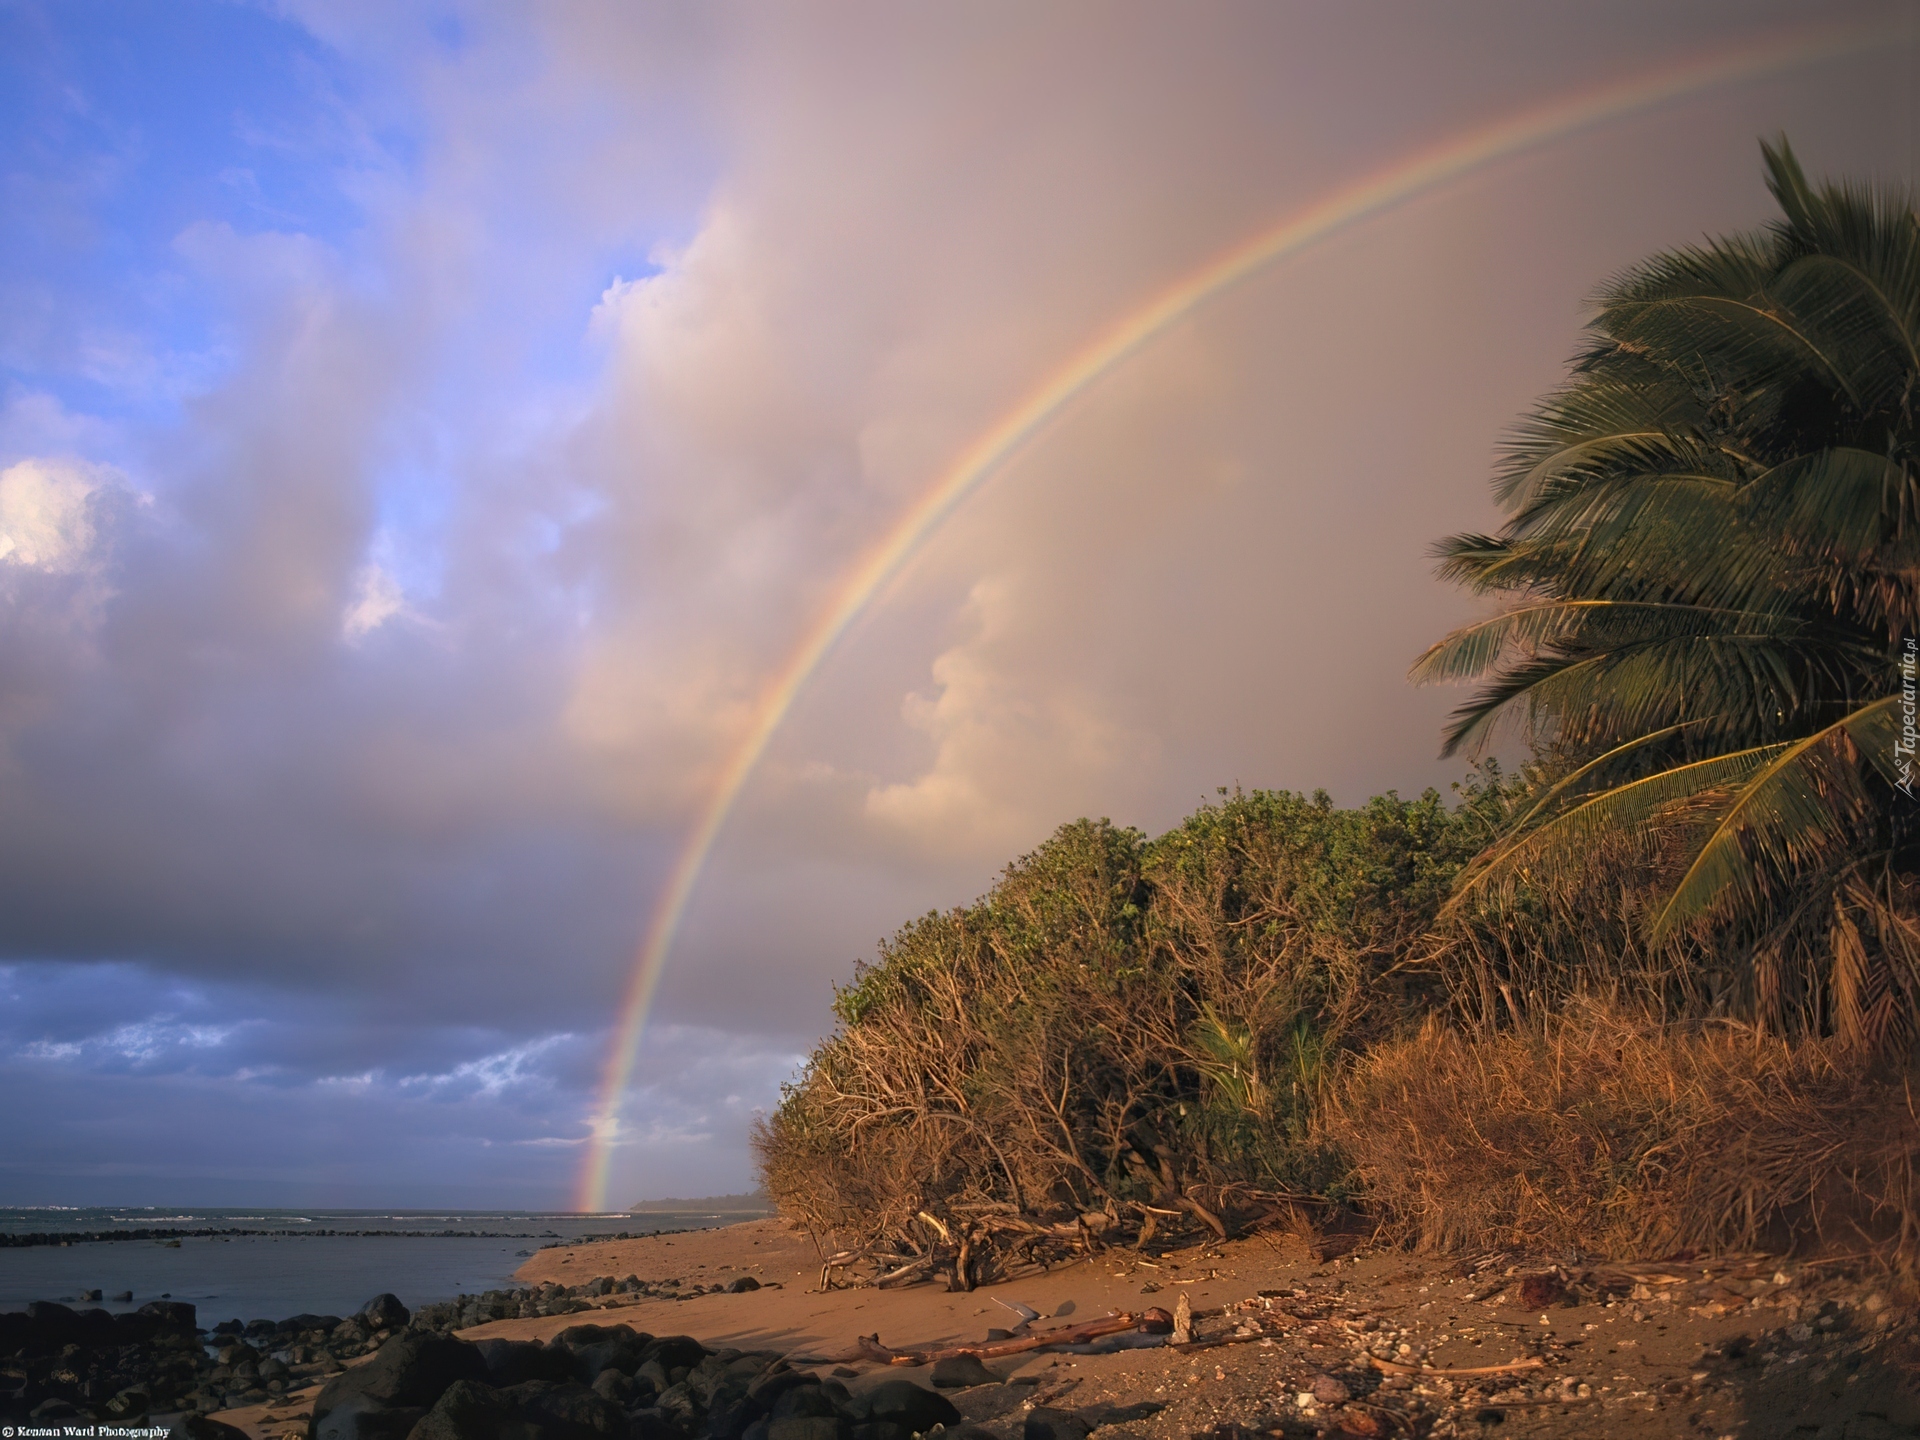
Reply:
x=1393 y=1367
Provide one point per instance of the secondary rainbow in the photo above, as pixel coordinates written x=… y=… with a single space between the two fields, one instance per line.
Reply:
x=1397 y=183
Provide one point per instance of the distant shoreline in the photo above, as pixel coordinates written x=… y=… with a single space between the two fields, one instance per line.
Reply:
x=34 y=1238
x=753 y=1204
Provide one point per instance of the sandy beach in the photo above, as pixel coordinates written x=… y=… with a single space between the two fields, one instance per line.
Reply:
x=1750 y=1348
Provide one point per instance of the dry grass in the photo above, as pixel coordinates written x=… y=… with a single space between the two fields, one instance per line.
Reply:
x=1612 y=1135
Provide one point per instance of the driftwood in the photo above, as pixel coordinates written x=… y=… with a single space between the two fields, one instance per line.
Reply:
x=1153 y=1322
x=1393 y=1367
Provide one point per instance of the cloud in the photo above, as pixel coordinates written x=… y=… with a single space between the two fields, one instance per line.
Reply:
x=522 y=395
x=1007 y=750
x=377 y=598
x=45 y=518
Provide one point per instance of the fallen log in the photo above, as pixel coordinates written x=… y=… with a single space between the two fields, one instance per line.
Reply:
x=1394 y=1367
x=1153 y=1322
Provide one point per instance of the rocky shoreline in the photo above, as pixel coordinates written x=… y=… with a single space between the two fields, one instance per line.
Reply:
x=1370 y=1346
x=422 y=1383
x=61 y=1364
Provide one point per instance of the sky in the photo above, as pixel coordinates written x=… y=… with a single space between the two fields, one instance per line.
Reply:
x=427 y=431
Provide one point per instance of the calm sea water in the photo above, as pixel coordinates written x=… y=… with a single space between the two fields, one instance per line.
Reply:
x=293 y=1269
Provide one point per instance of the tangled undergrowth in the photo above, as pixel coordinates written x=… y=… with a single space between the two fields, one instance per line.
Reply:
x=1602 y=1132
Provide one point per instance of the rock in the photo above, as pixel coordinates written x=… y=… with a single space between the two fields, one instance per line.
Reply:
x=123 y=1297
x=620 y=1389
x=673 y=1351
x=469 y=1411
x=1537 y=1292
x=126 y=1407
x=171 y=1314
x=1046 y=1424
x=806 y=1427
x=600 y=1347
x=203 y=1427
x=742 y=1285
x=902 y=1402
x=679 y=1405
x=407 y=1376
x=957 y=1372
x=1329 y=1391
x=383 y=1312
x=86 y=1295
x=650 y=1424
x=512 y=1362
x=808 y=1401
x=359 y=1417
x=568 y=1412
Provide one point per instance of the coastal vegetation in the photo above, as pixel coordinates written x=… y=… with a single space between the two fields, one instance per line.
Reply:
x=1658 y=991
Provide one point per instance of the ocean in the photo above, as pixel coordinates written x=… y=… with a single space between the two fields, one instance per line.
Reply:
x=322 y=1262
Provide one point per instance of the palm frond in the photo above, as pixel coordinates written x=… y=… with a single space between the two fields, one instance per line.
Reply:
x=1629 y=810
x=1803 y=803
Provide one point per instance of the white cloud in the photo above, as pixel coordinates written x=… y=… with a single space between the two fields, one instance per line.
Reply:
x=1013 y=745
x=492 y=1074
x=46 y=523
x=377 y=598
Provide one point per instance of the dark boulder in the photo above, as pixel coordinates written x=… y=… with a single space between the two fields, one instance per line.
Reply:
x=569 y=1412
x=675 y=1351
x=742 y=1285
x=384 y=1312
x=409 y=1373
x=468 y=1411
x=958 y=1372
x=203 y=1427
x=604 y=1347
x=303 y=1323
x=777 y=1381
x=16 y=1332
x=360 y=1417
x=127 y=1407
x=807 y=1427
x=807 y=1401
x=134 y=1329
x=652 y=1425
x=53 y=1326
x=621 y=1389
x=172 y=1315
x=1045 y=1424
x=511 y=1362
x=901 y=1402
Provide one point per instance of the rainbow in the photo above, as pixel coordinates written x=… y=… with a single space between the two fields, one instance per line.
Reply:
x=1399 y=182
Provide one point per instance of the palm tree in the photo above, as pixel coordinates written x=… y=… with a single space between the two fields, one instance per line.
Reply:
x=1711 y=570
